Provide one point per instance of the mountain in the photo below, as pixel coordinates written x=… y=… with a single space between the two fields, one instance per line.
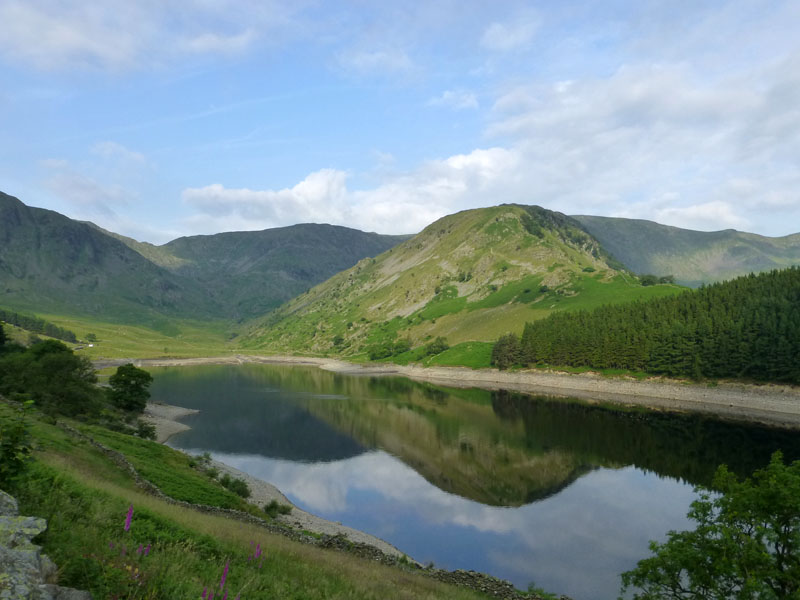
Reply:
x=693 y=257
x=50 y=263
x=469 y=276
x=250 y=273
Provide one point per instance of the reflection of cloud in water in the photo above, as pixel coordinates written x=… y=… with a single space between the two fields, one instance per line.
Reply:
x=599 y=525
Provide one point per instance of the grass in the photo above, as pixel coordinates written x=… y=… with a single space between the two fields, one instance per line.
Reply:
x=522 y=290
x=85 y=499
x=476 y=355
x=190 y=339
x=169 y=470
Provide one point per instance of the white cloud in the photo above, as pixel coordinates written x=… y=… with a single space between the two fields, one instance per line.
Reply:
x=376 y=62
x=91 y=199
x=458 y=99
x=514 y=35
x=113 y=150
x=656 y=142
x=126 y=34
x=402 y=203
x=210 y=42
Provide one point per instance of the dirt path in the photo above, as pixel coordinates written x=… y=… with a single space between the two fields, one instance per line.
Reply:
x=769 y=404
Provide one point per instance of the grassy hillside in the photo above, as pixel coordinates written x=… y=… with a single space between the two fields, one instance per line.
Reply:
x=467 y=277
x=693 y=257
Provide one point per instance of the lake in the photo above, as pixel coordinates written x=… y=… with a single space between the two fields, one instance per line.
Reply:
x=532 y=489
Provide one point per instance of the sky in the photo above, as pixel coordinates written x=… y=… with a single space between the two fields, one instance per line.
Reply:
x=163 y=118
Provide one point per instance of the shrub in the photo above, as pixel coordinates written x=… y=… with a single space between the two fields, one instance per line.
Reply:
x=437 y=346
x=237 y=486
x=275 y=508
x=15 y=445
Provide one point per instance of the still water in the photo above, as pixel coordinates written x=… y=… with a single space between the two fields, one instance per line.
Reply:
x=531 y=489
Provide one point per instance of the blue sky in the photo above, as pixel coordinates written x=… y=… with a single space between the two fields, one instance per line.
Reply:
x=162 y=118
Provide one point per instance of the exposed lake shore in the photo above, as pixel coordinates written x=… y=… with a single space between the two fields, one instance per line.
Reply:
x=768 y=404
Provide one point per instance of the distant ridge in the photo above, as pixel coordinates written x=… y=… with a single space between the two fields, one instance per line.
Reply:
x=693 y=257
x=50 y=263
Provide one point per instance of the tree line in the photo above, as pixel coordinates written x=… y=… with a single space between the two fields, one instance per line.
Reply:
x=748 y=327
x=37 y=325
x=59 y=382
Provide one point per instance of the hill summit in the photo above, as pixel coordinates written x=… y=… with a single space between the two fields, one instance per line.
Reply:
x=472 y=275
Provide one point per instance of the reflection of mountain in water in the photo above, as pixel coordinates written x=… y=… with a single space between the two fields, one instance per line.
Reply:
x=243 y=413
x=687 y=447
x=497 y=448
x=453 y=440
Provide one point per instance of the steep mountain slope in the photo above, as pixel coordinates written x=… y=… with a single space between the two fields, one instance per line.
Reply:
x=693 y=257
x=469 y=276
x=250 y=273
x=50 y=263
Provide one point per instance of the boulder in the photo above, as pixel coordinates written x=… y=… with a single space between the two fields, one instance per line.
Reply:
x=26 y=573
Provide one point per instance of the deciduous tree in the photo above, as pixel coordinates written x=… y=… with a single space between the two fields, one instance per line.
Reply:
x=130 y=388
x=746 y=544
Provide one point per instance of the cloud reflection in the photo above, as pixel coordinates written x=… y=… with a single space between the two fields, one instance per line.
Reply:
x=600 y=524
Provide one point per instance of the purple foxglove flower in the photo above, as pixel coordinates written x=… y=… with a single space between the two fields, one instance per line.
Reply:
x=205 y=593
x=139 y=549
x=128 y=518
x=224 y=576
x=147 y=550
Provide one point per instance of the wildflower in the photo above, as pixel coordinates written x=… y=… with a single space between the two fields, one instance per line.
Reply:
x=147 y=550
x=139 y=549
x=128 y=518
x=224 y=576
x=205 y=593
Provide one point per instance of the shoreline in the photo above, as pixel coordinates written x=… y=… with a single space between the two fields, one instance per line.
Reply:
x=163 y=417
x=768 y=404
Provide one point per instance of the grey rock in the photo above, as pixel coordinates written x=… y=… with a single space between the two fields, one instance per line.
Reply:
x=8 y=505
x=26 y=573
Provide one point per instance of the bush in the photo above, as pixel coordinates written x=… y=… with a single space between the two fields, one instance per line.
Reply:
x=648 y=279
x=146 y=431
x=15 y=445
x=237 y=486
x=275 y=508
x=437 y=346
